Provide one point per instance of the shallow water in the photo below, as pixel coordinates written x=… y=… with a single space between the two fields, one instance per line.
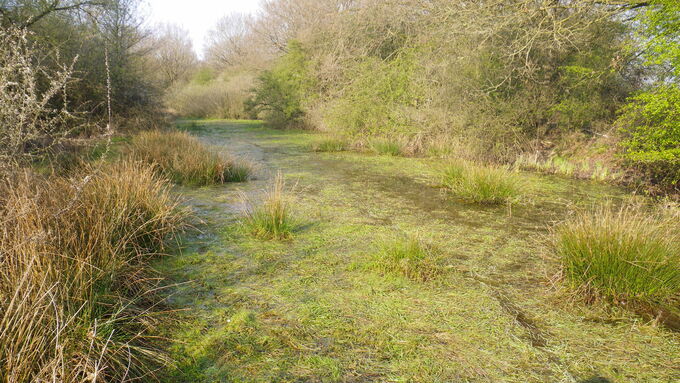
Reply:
x=495 y=317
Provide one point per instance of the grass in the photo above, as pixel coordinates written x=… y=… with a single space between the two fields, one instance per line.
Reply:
x=186 y=160
x=408 y=257
x=585 y=169
x=386 y=147
x=320 y=314
x=76 y=295
x=329 y=144
x=482 y=184
x=272 y=218
x=621 y=254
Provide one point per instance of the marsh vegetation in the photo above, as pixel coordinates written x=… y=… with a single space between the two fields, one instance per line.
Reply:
x=422 y=191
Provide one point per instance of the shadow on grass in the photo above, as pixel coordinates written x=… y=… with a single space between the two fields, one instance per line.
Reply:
x=596 y=379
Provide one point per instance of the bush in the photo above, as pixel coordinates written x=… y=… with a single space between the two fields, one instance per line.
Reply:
x=652 y=123
x=624 y=254
x=283 y=91
x=186 y=160
x=272 y=218
x=482 y=184
x=380 y=99
x=33 y=101
x=408 y=257
x=75 y=291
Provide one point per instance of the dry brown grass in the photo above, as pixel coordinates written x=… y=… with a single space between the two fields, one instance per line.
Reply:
x=75 y=292
x=186 y=160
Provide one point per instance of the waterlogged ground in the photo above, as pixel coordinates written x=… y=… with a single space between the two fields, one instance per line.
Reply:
x=310 y=310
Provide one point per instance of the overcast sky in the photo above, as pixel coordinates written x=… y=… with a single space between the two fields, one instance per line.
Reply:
x=197 y=16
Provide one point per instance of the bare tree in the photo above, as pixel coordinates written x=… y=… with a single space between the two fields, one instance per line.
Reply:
x=34 y=117
x=228 y=42
x=173 y=54
x=23 y=14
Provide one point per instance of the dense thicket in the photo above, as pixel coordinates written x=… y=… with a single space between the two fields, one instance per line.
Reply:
x=501 y=77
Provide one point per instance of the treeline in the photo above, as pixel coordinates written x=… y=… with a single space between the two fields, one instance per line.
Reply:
x=496 y=80
x=69 y=68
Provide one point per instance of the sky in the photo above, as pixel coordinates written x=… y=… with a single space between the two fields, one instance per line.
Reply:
x=196 y=16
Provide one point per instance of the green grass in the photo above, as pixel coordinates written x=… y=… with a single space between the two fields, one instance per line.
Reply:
x=386 y=147
x=482 y=184
x=186 y=160
x=321 y=314
x=408 y=257
x=329 y=144
x=624 y=254
x=272 y=218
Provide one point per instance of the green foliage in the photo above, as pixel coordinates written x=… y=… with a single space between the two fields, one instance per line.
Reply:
x=621 y=254
x=483 y=184
x=380 y=98
x=204 y=76
x=652 y=118
x=408 y=257
x=660 y=33
x=652 y=121
x=283 y=91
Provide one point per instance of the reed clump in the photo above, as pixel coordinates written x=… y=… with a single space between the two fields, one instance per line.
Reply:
x=271 y=218
x=621 y=254
x=186 y=160
x=76 y=293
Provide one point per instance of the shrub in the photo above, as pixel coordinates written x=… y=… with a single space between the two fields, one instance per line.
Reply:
x=329 y=144
x=408 y=257
x=282 y=91
x=652 y=123
x=272 y=218
x=482 y=184
x=186 y=160
x=621 y=254
x=380 y=98
x=33 y=101
x=75 y=290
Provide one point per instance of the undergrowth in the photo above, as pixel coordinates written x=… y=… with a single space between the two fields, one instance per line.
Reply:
x=386 y=147
x=329 y=144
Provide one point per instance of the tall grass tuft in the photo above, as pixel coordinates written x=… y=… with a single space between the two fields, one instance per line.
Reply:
x=408 y=257
x=186 y=160
x=329 y=144
x=621 y=254
x=76 y=296
x=482 y=184
x=272 y=218
x=386 y=147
